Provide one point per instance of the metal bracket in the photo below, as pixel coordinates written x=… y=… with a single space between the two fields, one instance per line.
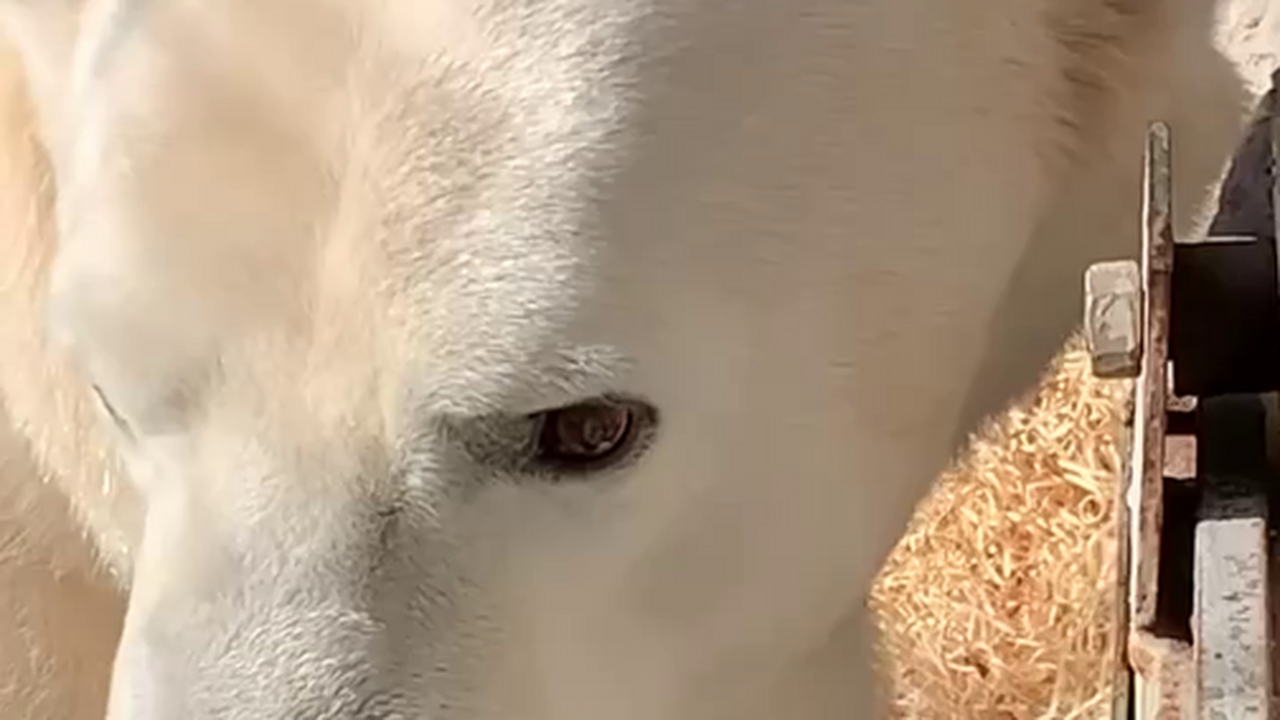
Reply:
x=1196 y=325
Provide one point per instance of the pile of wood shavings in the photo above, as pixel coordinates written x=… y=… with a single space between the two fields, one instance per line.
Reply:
x=1000 y=601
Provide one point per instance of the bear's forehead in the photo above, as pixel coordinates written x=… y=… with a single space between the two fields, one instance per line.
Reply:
x=338 y=183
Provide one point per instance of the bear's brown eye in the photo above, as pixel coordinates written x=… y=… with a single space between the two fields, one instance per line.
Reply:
x=588 y=434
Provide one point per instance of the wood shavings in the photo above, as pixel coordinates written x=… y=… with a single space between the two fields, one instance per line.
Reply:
x=999 y=603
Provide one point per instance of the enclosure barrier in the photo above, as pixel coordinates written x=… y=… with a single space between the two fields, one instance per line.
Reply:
x=1195 y=324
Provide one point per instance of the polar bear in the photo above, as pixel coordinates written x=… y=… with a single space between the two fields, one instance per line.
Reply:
x=535 y=359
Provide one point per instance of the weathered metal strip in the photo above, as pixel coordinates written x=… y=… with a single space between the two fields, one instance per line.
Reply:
x=1232 y=610
x=1149 y=416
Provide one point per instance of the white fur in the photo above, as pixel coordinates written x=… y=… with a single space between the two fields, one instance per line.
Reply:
x=310 y=251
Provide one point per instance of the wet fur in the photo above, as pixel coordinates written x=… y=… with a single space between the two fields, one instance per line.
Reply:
x=305 y=247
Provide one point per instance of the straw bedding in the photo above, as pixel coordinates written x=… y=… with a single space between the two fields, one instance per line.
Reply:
x=999 y=602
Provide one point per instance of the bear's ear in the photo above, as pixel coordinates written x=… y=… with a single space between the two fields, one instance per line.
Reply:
x=43 y=32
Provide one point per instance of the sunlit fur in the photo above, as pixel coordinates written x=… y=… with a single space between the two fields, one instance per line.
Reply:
x=316 y=253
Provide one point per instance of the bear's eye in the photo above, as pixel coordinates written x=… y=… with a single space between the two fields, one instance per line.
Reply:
x=590 y=435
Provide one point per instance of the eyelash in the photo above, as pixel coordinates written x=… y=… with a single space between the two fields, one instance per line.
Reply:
x=110 y=411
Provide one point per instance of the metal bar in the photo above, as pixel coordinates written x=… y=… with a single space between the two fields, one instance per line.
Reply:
x=1149 y=417
x=1233 y=666
x=1232 y=662
x=1157 y=671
